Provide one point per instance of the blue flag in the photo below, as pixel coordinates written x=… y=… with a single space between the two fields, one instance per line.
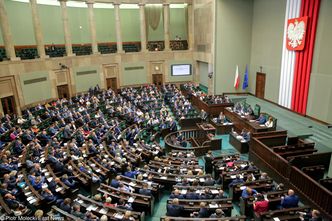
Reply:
x=245 y=80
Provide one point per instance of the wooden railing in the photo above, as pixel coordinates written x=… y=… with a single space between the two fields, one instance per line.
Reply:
x=283 y=171
x=273 y=161
x=312 y=190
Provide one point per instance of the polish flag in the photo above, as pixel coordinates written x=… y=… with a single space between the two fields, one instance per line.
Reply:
x=237 y=78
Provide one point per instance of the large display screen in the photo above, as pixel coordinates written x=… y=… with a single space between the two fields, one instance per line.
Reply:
x=181 y=69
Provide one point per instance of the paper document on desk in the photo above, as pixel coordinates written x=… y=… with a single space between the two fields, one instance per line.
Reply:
x=132 y=184
x=276 y=219
x=118 y=216
x=184 y=191
x=103 y=211
x=213 y=205
x=33 y=201
x=30 y=198
x=163 y=177
x=131 y=199
x=202 y=180
x=214 y=191
x=58 y=189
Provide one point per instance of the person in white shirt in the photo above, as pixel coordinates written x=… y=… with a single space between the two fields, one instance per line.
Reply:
x=269 y=123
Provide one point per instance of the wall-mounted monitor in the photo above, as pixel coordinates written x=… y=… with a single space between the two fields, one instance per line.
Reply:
x=181 y=69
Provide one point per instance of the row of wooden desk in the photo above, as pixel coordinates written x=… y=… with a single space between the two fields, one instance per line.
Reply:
x=242 y=122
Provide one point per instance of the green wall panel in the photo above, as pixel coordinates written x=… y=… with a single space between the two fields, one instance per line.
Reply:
x=105 y=24
x=203 y=73
x=178 y=23
x=266 y=48
x=233 y=42
x=79 y=26
x=130 y=25
x=51 y=24
x=134 y=73
x=85 y=81
x=38 y=91
x=20 y=21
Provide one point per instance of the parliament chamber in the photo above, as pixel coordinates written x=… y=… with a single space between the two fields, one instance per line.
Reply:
x=168 y=110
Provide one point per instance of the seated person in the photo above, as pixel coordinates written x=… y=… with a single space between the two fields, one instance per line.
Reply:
x=123 y=205
x=77 y=211
x=209 y=181
x=220 y=119
x=203 y=211
x=221 y=195
x=203 y=115
x=290 y=201
x=115 y=182
x=236 y=181
x=176 y=194
x=192 y=195
x=269 y=123
x=218 y=214
x=313 y=216
x=174 y=209
x=261 y=119
x=248 y=192
x=246 y=135
x=261 y=205
x=145 y=191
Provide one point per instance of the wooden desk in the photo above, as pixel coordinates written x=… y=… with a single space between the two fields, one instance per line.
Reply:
x=211 y=109
x=222 y=128
x=208 y=128
x=194 y=205
x=242 y=147
x=242 y=122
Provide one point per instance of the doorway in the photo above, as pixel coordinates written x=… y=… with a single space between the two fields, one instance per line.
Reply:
x=63 y=91
x=157 y=79
x=260 y=85
x=112 y=83
x=8 y=105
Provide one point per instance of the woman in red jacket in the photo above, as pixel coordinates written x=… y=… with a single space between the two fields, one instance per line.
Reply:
x=261 y=205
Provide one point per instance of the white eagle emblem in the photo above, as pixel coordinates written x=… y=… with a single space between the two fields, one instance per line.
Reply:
x=295 y=33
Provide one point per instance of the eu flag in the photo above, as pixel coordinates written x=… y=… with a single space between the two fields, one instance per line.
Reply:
x=245 y=80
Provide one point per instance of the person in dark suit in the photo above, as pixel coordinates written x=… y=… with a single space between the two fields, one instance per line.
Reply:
x=208 y=162
x=65 y=205
x=176 y=194
x=237 y=180
x=290 y=201
x=145 y=191
x=261 y=119
x=173 y=127
x=209 y=181
x=313 y=216
x=203 y=211
x=191 y=195
x=174 y=209
x=115 y=182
